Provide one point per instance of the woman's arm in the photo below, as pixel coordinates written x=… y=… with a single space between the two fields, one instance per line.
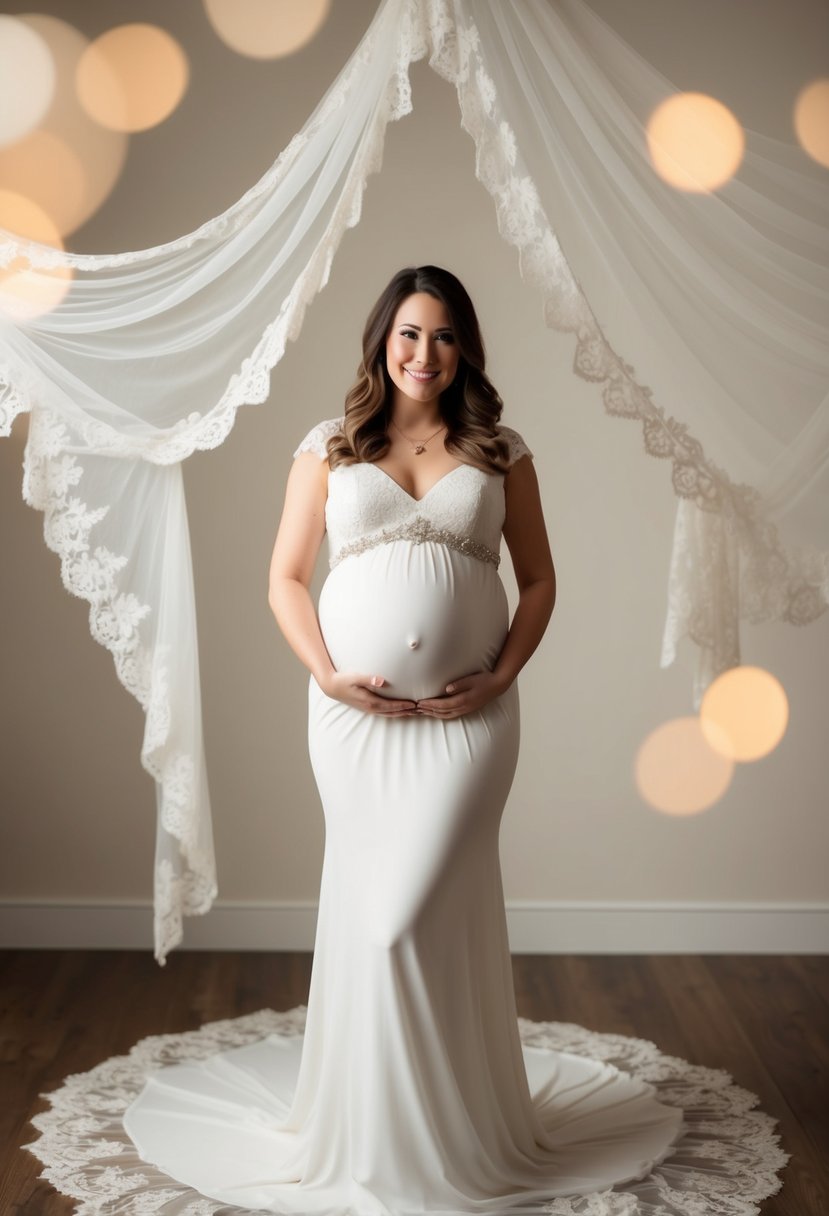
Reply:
x=526 y=536
x=295 y=553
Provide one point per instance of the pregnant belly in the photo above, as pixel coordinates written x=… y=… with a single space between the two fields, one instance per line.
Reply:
x=418 y=614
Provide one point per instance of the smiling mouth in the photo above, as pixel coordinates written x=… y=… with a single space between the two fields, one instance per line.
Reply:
x=422 y=376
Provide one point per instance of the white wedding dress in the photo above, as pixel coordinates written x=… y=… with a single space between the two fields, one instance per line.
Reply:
x=411 y=1092
x=408 y=1089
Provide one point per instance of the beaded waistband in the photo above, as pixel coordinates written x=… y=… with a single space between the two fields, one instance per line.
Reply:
x=418 y=529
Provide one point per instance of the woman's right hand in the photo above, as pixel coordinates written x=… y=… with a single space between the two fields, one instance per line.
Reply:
x=357 y=690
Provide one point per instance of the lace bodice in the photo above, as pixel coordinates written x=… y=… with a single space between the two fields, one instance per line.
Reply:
x=465 y=509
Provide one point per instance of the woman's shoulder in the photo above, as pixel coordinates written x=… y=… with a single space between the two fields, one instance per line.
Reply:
x=318 y=436
x=518 y=446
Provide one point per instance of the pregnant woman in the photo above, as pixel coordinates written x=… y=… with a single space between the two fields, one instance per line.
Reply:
x=410 y=1091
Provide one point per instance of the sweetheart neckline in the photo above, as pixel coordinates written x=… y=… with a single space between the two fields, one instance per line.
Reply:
x=433 y=486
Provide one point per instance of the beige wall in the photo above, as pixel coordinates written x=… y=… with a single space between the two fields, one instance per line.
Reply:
x=78 y=812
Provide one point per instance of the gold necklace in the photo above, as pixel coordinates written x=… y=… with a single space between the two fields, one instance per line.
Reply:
x=420 y=445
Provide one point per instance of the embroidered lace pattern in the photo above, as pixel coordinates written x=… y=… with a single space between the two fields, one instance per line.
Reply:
x=467 y=519
x=724 y=1164
x=89 y=571
x=418 y=529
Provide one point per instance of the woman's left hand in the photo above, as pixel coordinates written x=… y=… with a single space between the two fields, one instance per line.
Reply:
x=463 y=696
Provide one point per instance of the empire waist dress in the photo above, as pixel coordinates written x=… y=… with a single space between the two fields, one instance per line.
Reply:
x=410 y=1090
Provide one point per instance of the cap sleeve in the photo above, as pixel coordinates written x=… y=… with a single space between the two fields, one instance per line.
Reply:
x=517 y=445
x=318 y=436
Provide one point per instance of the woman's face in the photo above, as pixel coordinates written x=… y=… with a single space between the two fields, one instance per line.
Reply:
x=421 y=349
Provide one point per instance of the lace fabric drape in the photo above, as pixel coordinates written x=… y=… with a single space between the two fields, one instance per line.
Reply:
x=727 y=1159
x=719 y=302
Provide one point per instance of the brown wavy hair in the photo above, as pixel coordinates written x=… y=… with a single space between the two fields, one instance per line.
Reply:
x=470 y=407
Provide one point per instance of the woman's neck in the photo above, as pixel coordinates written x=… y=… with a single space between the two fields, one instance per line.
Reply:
x=414 y=417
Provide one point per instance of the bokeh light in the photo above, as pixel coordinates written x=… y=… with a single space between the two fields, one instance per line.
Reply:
x=811 y=120
x=695 y=142
x=27 y=79
x=132 y=77
x=26 y=293
x=47 y=171
x=677 y=772
x=266 y=29
x=69 y=164
x=744 y=713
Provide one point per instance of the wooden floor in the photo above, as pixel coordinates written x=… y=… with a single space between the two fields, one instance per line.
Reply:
x=763 y=1018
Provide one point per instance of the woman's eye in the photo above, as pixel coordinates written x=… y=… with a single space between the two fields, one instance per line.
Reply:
x=410 y=333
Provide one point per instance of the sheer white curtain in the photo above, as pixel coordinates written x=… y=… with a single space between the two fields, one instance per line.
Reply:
x=702 y=317
x=713 y=312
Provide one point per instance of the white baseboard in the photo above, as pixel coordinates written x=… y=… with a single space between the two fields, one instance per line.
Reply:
x=535 y=927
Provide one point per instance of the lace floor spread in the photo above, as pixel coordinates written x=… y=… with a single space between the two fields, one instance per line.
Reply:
x=725 y=1161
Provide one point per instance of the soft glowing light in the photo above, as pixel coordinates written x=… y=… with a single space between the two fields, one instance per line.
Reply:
x=132 y=77
x=46 y=171
x=266 y=29
x=677 y=772
x=744 y=713
x=811 y=120
x=695 y=142
x=69 y=164
x=27 y=79
x=25 y=292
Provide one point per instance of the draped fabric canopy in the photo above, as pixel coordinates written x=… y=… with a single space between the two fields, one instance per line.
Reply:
x=712 y=334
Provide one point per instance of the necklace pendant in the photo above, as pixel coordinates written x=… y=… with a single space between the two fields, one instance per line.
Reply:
x=418 y=449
